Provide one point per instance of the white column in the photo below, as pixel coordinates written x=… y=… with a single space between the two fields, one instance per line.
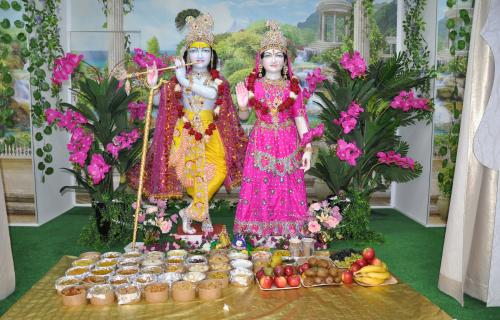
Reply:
x=322 y=27
x=361 y=39
x=116 y=38
x=400 y=14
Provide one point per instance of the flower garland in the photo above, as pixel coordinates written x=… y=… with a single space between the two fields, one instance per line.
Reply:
x=264 y=108
x=221 y=90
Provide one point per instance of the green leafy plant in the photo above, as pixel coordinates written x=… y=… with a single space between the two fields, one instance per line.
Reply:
x=459 y=29
x=13 y=49
x=376 y=128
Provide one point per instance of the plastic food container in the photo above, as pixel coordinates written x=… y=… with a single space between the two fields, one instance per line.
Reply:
x=101 y=295
x=261 y=255
x=129 y=262
x=77 y=271
x=156 y=292
x=241 y=263
x=193 y=276
x=118 y=280
x=109 y=262
x=221 y=276
x=83 y=262
x=111 y=255
x=169 y=277
x=241 y=277
x=67 y=281
x=104 y=271
x=183 y=291
x=94 y=255
x=143 y=280
x=91 y=280
x=198 y=267
x=128 y=294
x=156 y=270
x=132 y=254
x=196 y=260
x=209 y=290
x=177 y=253
x=237 y=255
x=127 y=271
x=74 y=296
x=155 y=255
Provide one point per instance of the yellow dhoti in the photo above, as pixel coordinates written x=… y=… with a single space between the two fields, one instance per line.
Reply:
x=200 y=165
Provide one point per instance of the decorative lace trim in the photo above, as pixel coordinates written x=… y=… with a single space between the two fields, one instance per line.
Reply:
x=274 y=126
x=276 y=227
x=278 y=166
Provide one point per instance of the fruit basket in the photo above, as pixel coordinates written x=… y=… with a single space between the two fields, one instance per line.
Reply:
x=281 y=277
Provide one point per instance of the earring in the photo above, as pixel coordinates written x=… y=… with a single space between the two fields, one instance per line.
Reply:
x=212 y=62
x=261 y=69
x=285 y=70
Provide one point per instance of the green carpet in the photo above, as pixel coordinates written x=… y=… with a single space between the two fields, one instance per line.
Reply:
x=412 y=252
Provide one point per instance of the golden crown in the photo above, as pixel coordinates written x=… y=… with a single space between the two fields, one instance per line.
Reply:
x=274 y=38
x=200 y=29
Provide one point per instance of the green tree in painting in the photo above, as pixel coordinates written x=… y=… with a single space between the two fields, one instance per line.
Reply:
x=153 y=46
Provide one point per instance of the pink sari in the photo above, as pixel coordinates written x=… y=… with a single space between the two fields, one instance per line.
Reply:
x=272 y=199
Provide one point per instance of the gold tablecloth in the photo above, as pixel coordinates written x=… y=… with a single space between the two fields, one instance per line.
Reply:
x=342 y=302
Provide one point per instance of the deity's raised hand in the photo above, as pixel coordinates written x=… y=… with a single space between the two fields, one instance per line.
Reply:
x=180 y=69
x=242 y=95
x=152 y=76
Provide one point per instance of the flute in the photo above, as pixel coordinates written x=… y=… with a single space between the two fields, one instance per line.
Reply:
x=136 y=74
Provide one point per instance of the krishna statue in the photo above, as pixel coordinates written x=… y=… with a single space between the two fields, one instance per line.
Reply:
x=198 y=142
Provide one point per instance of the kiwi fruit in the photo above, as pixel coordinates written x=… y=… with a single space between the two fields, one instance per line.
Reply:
x=338 y=279
x=313 y=261
x=322 y=272
x=333 y=272
x=308 y=281
x=329 y=280
x=310 y=273
x=322 y=263
x=318 y=280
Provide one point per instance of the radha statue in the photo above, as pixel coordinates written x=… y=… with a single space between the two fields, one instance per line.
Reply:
x=273 y=193
x=198 y=143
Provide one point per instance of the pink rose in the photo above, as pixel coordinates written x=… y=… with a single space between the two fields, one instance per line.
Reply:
x=313 y=226
x=315 y=206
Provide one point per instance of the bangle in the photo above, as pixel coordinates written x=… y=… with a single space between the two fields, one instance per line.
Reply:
x=308 y=149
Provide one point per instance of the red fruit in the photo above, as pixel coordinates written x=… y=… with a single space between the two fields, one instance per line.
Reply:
x=304 y=267
x=260 y=273
x=368 y=253
x=280 y=282
x=376 y=262
x=347 y=277
x=266 y=282
x=362 y=262
x=289 y=270
x=293 y=281
x=354 y=267
x=279 y=271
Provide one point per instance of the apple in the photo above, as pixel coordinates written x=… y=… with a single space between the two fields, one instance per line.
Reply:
x=266 y=282
x=376 y=262
x=362 y=262
x=354 y=267
x=268 y=271
x=260 y=273
x=304 y=267
x=280 y=282
x=289 y=270
x=368 y=253
x=347 y=277
x=279 y=271
x=293 y=280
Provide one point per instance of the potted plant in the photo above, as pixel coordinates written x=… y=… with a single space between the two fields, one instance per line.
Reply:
x=106 y=128
x=362 y=108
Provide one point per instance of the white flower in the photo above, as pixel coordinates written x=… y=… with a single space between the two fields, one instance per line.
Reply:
x=177 y=88
x=293 y=95
x=218 y=82
x=150 y=210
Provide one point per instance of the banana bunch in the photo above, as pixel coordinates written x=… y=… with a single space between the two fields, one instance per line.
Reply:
x=372 y=275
